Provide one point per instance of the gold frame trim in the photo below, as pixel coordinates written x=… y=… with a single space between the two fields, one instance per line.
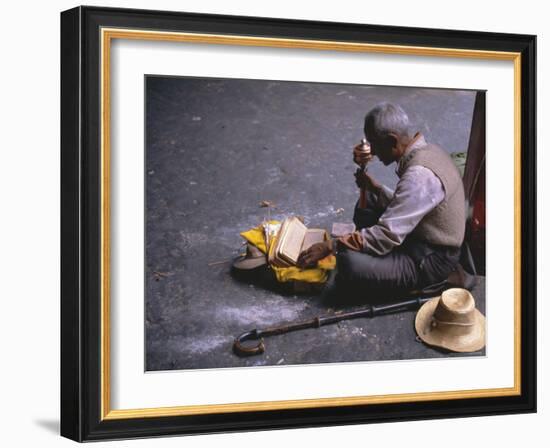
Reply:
x=107 y=35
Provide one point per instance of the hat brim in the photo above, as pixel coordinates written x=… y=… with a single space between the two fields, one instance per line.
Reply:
x=471 y=342
x=249 y=263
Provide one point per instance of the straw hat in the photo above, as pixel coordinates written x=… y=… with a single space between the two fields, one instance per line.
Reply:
x=253 y=258
x=452 y=321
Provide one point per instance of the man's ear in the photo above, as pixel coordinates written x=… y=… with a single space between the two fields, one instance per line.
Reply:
x=392 y=139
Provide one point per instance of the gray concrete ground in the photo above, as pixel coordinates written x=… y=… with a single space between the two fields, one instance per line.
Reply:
x=215 y=150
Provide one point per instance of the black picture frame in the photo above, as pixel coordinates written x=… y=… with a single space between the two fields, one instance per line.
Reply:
x=82 y=409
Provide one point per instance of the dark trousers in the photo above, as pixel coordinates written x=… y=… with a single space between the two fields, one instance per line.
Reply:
x=411 y=266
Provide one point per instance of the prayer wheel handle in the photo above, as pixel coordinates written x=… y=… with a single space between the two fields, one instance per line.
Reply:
x=364 y=149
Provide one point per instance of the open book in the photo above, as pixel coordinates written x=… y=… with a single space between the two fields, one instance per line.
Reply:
x=292 y=238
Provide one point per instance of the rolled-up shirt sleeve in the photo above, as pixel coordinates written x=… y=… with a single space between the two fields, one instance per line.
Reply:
x=417 y=193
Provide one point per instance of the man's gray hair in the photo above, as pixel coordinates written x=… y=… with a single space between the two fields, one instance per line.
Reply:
x=387 y=118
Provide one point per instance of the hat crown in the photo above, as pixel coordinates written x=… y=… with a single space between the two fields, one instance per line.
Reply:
x=456 y=306
x=253 y=258
x=253 y=252
x=455 y=312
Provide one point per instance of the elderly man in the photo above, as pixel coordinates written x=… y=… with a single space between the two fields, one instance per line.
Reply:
x=408 y=238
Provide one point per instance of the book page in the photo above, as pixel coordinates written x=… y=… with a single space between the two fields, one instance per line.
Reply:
x=292 y=240
x=313 y=236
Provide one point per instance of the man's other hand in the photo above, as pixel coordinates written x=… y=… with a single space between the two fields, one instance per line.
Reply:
x=366 y=181
x=318 y=251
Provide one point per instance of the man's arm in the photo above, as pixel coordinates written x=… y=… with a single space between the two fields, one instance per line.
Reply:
x=384 y=196
x=417 y=193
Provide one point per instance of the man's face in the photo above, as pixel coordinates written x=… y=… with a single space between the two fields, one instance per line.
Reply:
x=382 y=147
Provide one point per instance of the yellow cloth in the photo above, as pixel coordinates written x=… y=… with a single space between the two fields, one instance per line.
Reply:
x=318 y=274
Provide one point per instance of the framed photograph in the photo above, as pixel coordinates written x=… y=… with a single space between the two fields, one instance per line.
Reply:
x=275 y=223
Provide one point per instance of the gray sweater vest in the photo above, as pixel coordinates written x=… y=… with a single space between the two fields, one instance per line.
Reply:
x=445 y=224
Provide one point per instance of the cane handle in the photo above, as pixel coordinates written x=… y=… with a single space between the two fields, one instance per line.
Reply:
x=248 y=350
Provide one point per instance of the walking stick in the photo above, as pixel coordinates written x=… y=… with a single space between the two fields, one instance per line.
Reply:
x=257 y=335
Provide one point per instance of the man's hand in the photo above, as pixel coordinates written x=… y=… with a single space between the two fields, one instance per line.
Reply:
x=366 y=181
x=360 y=156
x=318 y=251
